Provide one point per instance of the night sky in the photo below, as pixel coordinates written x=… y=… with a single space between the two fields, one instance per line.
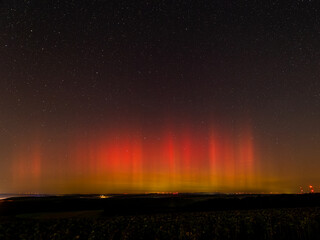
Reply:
x=147 y=96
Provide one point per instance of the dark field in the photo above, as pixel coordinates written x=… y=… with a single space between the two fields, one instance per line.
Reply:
x=182 y=216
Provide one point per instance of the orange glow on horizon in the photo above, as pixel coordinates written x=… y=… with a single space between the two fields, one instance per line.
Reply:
x=187 y=160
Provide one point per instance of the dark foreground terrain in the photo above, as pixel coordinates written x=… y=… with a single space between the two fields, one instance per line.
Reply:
x=182 y=216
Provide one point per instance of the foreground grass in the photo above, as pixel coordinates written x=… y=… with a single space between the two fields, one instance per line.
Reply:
x=294 y=223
